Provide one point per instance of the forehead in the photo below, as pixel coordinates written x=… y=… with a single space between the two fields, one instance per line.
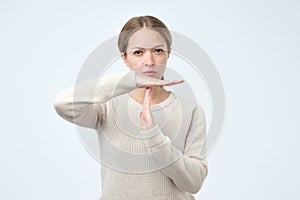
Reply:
x=146 y=38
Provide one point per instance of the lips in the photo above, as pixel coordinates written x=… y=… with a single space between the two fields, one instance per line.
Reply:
x=149 y=72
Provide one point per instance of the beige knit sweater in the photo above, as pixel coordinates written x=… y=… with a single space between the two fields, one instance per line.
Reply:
x=162 y=163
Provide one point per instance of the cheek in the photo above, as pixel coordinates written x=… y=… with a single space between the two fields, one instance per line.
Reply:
x=161 y=63
x=134 y=63
x=162 y=60
x=161 y=70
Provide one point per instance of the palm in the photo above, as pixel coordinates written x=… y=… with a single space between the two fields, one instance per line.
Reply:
x=146 y=81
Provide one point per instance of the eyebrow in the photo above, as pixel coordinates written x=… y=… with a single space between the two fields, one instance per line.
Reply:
x=137 y=47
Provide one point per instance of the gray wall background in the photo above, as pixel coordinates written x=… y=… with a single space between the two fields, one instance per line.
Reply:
x=255 y=46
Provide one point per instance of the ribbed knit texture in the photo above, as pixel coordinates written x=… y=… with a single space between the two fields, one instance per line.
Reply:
x=161 y=163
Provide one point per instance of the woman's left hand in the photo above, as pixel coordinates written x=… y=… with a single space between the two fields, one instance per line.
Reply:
x=146 y=118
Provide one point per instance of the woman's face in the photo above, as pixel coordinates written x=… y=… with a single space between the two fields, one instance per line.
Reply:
x=147 y=53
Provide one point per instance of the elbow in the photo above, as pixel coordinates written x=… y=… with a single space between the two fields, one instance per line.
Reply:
x=194 y=191
x=199 y=182
x=196 y=187
x=57 y=104
x=63 y=101
x=60 y=107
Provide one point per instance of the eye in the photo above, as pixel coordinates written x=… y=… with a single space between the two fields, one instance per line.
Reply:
x=159 y=51
x=138 y=52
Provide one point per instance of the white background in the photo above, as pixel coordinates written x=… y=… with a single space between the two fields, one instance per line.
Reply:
x=254 y=44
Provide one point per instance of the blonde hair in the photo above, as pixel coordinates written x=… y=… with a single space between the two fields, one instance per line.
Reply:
x=137 y=23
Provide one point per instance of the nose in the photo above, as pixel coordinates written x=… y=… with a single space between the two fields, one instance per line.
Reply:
x=149 y=60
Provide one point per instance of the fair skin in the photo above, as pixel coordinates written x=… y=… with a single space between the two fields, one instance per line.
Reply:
x=147 y=55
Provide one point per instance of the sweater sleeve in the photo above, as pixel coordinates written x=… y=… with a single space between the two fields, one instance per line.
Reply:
x=188 y=170
x=83 y=103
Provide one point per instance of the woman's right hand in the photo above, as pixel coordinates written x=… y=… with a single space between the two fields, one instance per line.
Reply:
x=147 y=81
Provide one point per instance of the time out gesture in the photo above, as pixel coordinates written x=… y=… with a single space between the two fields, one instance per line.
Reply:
x=149 y=84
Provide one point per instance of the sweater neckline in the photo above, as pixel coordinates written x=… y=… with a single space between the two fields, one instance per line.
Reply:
x=158 y=106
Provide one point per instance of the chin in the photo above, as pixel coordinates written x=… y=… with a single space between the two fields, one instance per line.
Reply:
x=153 y=76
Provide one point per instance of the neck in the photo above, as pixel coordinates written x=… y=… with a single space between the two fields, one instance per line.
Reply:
x=157 y=95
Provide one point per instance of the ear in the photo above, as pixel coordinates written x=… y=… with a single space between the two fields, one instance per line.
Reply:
x=169 y=52
x=124 y=58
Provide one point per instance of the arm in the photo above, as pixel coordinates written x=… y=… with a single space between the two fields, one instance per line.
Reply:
x=83 y=103
x=188 y=170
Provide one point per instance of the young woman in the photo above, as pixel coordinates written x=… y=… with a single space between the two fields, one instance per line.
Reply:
x=150 y=138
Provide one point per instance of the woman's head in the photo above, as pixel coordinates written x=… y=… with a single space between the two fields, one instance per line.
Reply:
x=145 y=44
x=137 y=23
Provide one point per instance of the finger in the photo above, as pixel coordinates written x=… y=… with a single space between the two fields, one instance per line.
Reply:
x=178 y=81
x=167 y=83
x=146 y=105
x=175 y=82
x=147 y=93
x=142 y=121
